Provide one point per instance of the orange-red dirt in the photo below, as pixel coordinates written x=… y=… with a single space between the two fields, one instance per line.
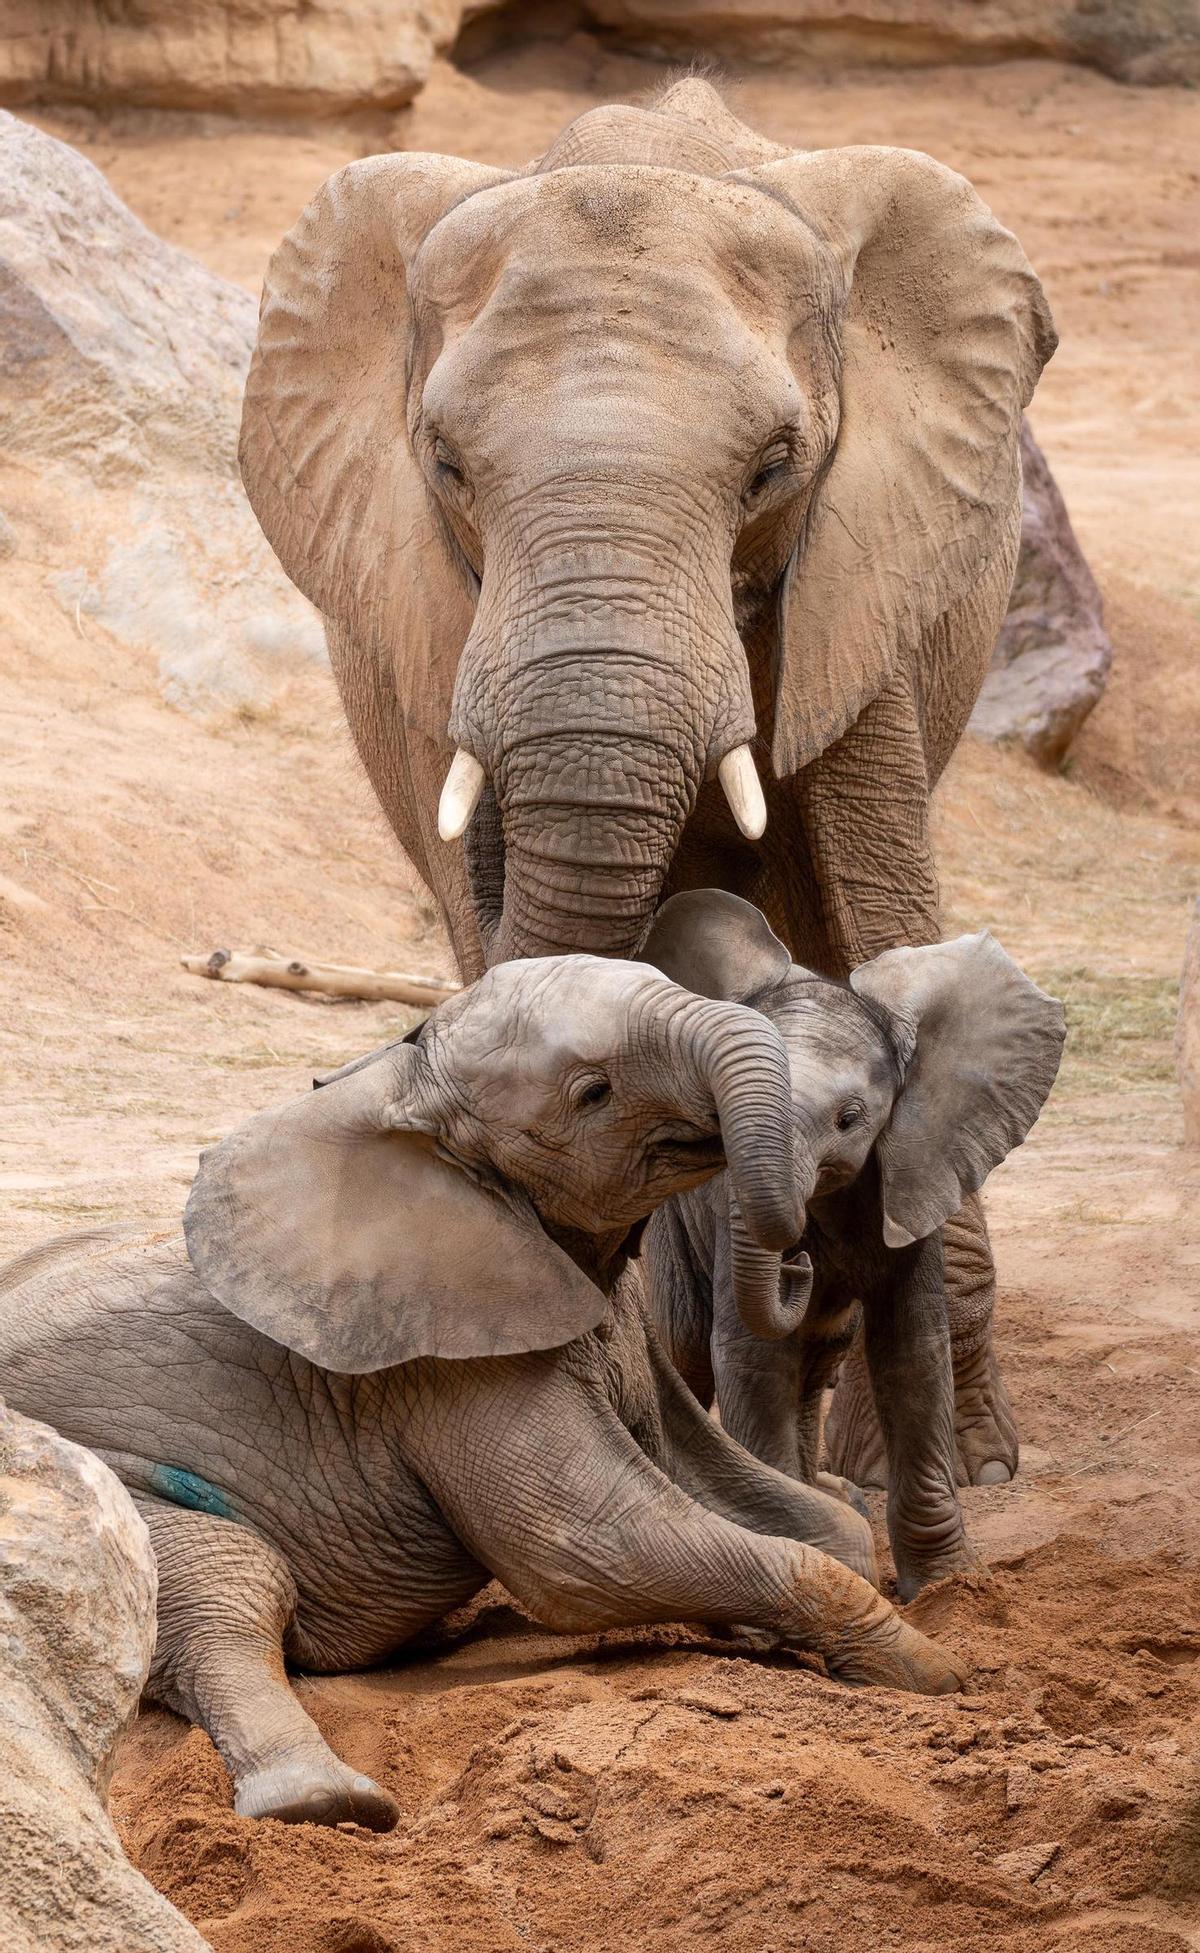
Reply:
x=661 y=1791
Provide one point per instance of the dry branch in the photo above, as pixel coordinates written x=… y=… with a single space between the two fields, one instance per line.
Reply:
x=332 y=979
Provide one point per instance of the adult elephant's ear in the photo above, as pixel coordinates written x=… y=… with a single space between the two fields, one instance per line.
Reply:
x=981 y=1046
x=333 y=1226
x=944 y=334
x=717 y=945
x=325 y=453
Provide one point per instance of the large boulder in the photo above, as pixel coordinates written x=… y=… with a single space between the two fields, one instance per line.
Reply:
x=1135 y=40
x=1053 y=654
x=240 y=57
x=77 y=1594
x=122 y=362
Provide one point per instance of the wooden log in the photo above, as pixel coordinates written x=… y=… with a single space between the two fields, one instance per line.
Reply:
x=331 y=979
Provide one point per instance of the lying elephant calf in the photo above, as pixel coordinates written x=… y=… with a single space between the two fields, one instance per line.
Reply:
x=400 y=1360
x=909 y=1085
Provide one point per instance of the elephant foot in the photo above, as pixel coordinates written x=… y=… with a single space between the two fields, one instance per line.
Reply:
x=843 y=1489
x=984 y=1432
x=884 y=1651
x=854 y=1447
x=918 y=1567
x=315 y=1790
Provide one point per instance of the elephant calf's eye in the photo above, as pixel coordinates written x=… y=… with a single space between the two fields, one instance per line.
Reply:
x=595 y=1092
x=851 y=1114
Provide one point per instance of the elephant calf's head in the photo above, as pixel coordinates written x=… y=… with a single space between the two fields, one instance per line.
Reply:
x=470 y=1190
x=934 y=1061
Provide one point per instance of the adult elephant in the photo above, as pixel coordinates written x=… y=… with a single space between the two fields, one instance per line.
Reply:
x=672 y=463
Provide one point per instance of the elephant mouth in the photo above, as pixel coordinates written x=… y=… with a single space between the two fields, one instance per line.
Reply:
x=695 y=1153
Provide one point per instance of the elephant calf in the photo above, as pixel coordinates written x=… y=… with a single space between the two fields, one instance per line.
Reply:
x=909 y=1085
x=397 y=1358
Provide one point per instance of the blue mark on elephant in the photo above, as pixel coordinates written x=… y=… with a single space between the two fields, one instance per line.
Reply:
x=186 y=1488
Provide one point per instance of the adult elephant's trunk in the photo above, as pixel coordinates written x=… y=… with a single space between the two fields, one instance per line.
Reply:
x=742 y=1060
x=603 y=681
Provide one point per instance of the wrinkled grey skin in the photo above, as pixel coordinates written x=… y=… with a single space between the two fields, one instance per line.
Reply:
x=600 y=469
x=909 y=1085
x=401 y=1359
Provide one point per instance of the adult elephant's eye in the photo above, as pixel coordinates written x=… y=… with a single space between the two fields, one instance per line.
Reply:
x=772 y=464
x=851 y=1114
x=450 y=468
x=595 y=1093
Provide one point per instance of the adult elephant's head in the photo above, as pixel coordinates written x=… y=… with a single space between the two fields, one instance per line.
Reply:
x=622 y=410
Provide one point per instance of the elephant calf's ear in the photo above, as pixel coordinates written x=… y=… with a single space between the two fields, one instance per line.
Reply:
x=986 y=1052
x=332 y=1226
x=716 y=945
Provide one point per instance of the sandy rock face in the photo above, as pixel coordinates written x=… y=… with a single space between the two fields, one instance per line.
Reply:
x=1187 y=1032
x=1053 y=654
x=121 y=369
x=77 y=1592
x=319 y=57
x=1135 y=40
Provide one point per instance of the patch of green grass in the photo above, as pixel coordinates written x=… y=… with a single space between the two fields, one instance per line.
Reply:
x=1120 y=1029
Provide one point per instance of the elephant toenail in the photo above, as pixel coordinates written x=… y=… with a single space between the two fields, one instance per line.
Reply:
x=995 y=1472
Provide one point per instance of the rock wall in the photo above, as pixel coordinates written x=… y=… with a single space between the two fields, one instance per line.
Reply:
x=335 y=57
x=238 y=57
x=1135 y=40
x=77 y=1591
x=122 y=361
x=1053 y=655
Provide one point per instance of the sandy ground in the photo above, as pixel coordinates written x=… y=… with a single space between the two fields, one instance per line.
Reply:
x=657 y=1790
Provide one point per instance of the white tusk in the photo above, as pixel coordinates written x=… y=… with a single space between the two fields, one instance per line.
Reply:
x=743 y=792
x=460 y=795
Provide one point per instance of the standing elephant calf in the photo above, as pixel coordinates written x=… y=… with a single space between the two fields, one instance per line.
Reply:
x=396 y=1358
x=909 y=1085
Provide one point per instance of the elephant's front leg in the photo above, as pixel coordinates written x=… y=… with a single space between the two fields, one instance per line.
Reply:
x=542 y=1482
x=908 y=1357
x=718 y=1470
x=769 y=1394
x=864 y=806
x=225 y=1601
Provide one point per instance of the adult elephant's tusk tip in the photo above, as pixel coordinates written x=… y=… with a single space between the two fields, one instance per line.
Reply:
x=460 y=795
x=742 y=790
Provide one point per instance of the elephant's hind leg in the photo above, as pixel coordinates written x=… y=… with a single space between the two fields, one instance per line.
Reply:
x=225 y=1601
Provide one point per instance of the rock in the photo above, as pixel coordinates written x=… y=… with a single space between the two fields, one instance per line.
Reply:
x=116 y=349
x=238 y=57
x=77 y=1593
x=8 y=538
x=1053 y=654
x=1135 y=40
x=1027 y=1861
x=1187 y=1032
x=122 y=362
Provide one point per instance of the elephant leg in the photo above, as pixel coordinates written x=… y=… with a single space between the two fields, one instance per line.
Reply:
x=769 y=1394
x=908 y=1357
x=865 y=806
x=678 y=1295
x=715 y=1467
x=226 y=1600
x=544 y=1483
x=984 y=1430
